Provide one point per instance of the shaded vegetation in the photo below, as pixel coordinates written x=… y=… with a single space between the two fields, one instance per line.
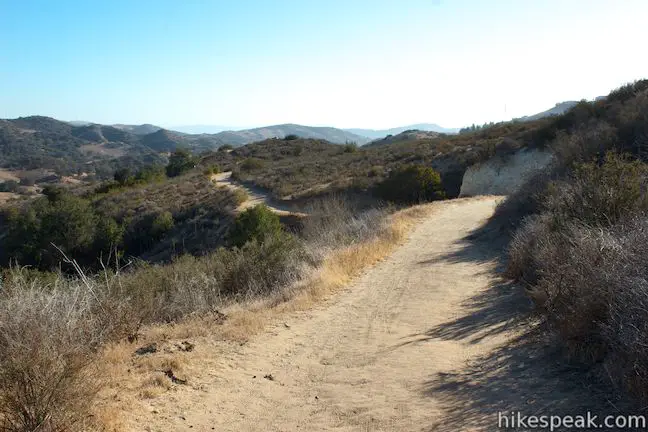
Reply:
x=412 y=184
x=579 y=235
x=154 y=220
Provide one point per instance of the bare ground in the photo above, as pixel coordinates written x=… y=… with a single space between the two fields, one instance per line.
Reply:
x=255 y=195
x=430 y=339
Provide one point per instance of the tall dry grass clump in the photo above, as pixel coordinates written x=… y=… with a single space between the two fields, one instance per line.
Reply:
x=50 y=335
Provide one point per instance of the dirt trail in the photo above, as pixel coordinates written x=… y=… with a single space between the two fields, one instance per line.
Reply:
x=255 y=195
x=428 y=339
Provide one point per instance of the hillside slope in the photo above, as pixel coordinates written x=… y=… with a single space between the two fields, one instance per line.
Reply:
x=39 y=142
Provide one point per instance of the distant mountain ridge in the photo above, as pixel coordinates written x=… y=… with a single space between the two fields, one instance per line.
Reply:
x=330 y=134
x=382 y=133
x=246 y=136
x=67 y=147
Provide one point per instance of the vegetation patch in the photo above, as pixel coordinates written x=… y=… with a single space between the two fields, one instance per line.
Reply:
x=579 y=236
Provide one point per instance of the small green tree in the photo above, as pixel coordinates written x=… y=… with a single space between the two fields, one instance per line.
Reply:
x=70 y=223
x=412 y=184
x=350 y=147
x=180 y=162
x=258 y=223
x=162 y=224
x=110 y=234
x=151 y=173
x=123 y=176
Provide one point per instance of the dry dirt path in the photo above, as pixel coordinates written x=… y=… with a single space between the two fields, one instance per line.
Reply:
x=427 y=340
x=255 y=195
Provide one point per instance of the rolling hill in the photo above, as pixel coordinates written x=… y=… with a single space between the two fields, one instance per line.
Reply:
x=381 y=133
x=69 y=147
x=333 y=135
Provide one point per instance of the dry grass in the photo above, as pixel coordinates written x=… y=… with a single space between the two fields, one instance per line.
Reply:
x=49 y=340
x=7 y=196
x=135 y=379
x=64 y=339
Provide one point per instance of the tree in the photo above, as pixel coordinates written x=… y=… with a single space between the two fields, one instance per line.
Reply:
x=256 y=224
x=162 y=224
x=123 y=176
x=180 y=162
x=412 y=184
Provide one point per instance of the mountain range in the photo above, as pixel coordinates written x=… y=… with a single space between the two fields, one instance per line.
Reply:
x=44 y=142
x=382 y=133
x=39 y=142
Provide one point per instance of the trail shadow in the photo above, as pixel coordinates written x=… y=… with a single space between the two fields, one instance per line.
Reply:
x=481 y=245
x=501 y=308
x=528 y=373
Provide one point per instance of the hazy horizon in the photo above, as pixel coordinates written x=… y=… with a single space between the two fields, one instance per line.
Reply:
x=369 y=64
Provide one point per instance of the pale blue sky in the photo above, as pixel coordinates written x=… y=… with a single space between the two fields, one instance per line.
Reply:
x=340 y=63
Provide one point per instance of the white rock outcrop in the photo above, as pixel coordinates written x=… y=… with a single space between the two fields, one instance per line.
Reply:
x=503 y=175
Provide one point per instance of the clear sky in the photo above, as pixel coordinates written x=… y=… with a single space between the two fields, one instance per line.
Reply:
x=343 y=63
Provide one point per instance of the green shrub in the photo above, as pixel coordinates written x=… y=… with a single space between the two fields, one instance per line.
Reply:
x=180 y=162
x=412 y=184
x=350 y=148
x=150 y=174
x=9 y=186
x=162 y=224
x=109 y=234
x=376 y=171
x=256 y=224
x=251 y=164
x=212 y=169
x=291 y=137
x=124 y=176
x=259 y=267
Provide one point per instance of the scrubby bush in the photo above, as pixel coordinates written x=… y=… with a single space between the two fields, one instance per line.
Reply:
x=251 y=164
x=150 y=174
x=412 y=184
x=123 y=176
x=256 y=224
x=9 y=186
x=581 y=257
x=180 y=162
x=61 y=220
x=350 y=148
x=50 y=335
x=162 y=224
x=212 y=169
x=291 y=137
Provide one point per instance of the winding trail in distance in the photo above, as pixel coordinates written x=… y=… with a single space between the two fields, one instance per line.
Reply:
x=256 y=195
x=429 y=339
